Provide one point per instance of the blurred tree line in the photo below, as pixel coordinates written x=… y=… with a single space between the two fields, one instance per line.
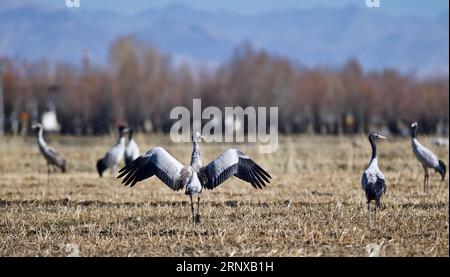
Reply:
x=141 y=85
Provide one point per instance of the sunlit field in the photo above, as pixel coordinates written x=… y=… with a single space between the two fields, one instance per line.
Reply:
x=314 y=205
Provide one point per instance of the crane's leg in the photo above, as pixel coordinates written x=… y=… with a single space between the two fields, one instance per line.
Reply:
x=54 y=169
x=425 y=181
x=192 y=209
x=197 y=219
x=375 y=216
x=48 y=173
x=51 y=173
x=368 y=209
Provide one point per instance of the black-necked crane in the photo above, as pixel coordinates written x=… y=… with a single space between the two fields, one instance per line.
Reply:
x=426 y=157
x=132 y=150
x=194 y=177
x=114 y=155
x=51 y=156
x=372 y=180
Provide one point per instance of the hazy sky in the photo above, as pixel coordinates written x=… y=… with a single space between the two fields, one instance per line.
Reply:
x=393 y=7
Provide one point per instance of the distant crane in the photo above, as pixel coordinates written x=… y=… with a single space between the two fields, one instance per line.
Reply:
x=426 y=157
x=372 y=180
x=114 y=155
x=132 y=150
x=51 y=156
x=194 y=177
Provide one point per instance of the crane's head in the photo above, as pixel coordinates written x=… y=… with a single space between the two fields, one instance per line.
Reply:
x=36 y=125
x=374 y=136
x=414 y=127
x=122 y=129
x=196 y=136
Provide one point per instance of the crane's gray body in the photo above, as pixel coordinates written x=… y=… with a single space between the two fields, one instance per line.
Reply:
x=114 y=156
x=425 y=156
x=132 y=151
x=373 y=182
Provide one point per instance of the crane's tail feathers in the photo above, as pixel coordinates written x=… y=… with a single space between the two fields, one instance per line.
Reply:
x=63 y=167
x=101 y=166
x=378 y=203
x=442 y=169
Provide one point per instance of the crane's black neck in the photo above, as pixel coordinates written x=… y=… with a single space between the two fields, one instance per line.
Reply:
x=374 y=147
x=121 y=139
x=122 y=131
x=40 y=133
x=40 y=137
x=195 y=153
x=130 y=134
x=414 y=132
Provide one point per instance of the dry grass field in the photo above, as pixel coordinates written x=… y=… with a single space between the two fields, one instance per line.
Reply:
x=314 y=206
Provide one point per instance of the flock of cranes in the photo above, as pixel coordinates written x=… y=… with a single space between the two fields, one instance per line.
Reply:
x=372 y=180
x=195 y=177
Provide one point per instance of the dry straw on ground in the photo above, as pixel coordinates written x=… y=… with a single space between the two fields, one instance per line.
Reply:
x=313 y=207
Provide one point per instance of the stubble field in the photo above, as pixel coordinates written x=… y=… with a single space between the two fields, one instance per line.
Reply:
x=314 y=205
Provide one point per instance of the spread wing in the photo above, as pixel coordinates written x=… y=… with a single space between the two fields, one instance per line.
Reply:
x=233 y=162
x=157 y=162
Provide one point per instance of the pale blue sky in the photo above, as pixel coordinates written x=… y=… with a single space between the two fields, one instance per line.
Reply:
x=393 y=7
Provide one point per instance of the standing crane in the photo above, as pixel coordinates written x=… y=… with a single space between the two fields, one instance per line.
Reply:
x=132 y=150
x=372 y=180
x=426 y=157
x=194 y=177
x=114 y=155
x=51 y=156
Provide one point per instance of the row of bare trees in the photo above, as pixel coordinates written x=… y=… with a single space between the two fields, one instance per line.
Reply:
x=141 y=85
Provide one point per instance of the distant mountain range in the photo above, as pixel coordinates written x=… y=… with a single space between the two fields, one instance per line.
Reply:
x=320 y=36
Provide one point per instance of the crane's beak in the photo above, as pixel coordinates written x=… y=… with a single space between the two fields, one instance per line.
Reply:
x=382 y=137
x=34 y=126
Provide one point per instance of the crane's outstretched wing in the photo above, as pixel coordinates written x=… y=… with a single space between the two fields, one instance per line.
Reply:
x=233 y=162
x=157 y=162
